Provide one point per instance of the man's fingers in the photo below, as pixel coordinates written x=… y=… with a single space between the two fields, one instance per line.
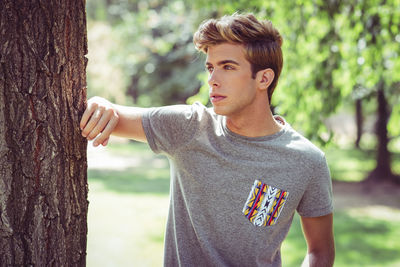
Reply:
x=106 y=142
x=100 y=124
x=99 y=120
x=105 y=135
x=93 y=121
x=87 y=114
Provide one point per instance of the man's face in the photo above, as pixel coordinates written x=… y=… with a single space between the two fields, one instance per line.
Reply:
x=232 y=89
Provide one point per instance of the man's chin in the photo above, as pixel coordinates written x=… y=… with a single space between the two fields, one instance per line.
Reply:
x=219 y=111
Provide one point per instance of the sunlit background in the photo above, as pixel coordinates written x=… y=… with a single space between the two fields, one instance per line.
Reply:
x=340 y=87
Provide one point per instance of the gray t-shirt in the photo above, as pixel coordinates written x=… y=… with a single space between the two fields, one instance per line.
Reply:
x=232 y=198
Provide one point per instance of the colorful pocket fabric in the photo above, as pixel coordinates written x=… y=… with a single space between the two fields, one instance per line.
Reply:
x=264 y=204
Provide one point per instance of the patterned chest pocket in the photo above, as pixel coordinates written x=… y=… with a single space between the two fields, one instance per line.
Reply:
x=264 y=204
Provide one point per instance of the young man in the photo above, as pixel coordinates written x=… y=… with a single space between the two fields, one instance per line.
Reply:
x=238 y=173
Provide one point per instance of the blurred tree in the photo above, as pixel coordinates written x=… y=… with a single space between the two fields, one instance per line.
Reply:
x=359 y=121
x=153 y=47
x=43 y=184
x=371 y=45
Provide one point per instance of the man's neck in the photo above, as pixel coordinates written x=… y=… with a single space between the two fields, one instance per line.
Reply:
x=259 y=124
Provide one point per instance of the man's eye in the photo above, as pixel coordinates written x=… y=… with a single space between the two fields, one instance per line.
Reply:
x=209 y=69
x=228 y=67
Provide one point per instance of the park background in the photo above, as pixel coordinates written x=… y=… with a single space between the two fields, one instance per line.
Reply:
x=339 y=87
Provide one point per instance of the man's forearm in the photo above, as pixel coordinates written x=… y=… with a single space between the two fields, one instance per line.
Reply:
x=318 y=232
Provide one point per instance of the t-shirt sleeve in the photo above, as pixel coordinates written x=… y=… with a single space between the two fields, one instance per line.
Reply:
x=317 y=199
x=170 y=127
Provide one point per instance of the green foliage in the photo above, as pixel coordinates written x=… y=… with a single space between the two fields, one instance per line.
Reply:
x=103 y=77
x=394 y=120
x=152 y=48
x=203 y=95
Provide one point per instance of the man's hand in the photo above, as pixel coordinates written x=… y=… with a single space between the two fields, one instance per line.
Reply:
x=99 y=120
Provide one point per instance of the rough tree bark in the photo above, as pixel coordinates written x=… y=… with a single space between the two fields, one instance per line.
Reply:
x=43 y=185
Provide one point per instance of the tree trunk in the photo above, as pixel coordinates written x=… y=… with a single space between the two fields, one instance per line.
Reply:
x=383 y=157
x=132 y=89
x=359 y=122
x=43 y=185
x=383 y=154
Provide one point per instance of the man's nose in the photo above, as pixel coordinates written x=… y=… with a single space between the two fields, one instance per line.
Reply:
x=213 y=79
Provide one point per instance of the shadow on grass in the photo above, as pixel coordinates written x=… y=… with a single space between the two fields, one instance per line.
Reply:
x=133 y=180
x=359 y=240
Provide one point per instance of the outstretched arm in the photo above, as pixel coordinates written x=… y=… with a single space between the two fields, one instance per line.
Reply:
x=102 y=118
x=318 y=232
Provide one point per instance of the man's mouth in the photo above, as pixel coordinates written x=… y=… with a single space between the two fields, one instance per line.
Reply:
x=216 y=98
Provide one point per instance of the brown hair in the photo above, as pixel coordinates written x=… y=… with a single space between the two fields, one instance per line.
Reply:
x=261 y=40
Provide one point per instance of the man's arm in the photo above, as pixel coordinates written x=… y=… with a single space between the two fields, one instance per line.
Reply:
x=318 y=232
x=102 y=118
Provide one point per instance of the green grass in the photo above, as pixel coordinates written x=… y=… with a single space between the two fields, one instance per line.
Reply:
x=133 y=181
x=130 y=148
x=368 y=237
x=125 y=229
x=353 y=165
x=128 y=209
x=350 y=165
x=363 y=237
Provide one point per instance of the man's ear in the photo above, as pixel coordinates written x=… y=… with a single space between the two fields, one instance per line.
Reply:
x=265 y=77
